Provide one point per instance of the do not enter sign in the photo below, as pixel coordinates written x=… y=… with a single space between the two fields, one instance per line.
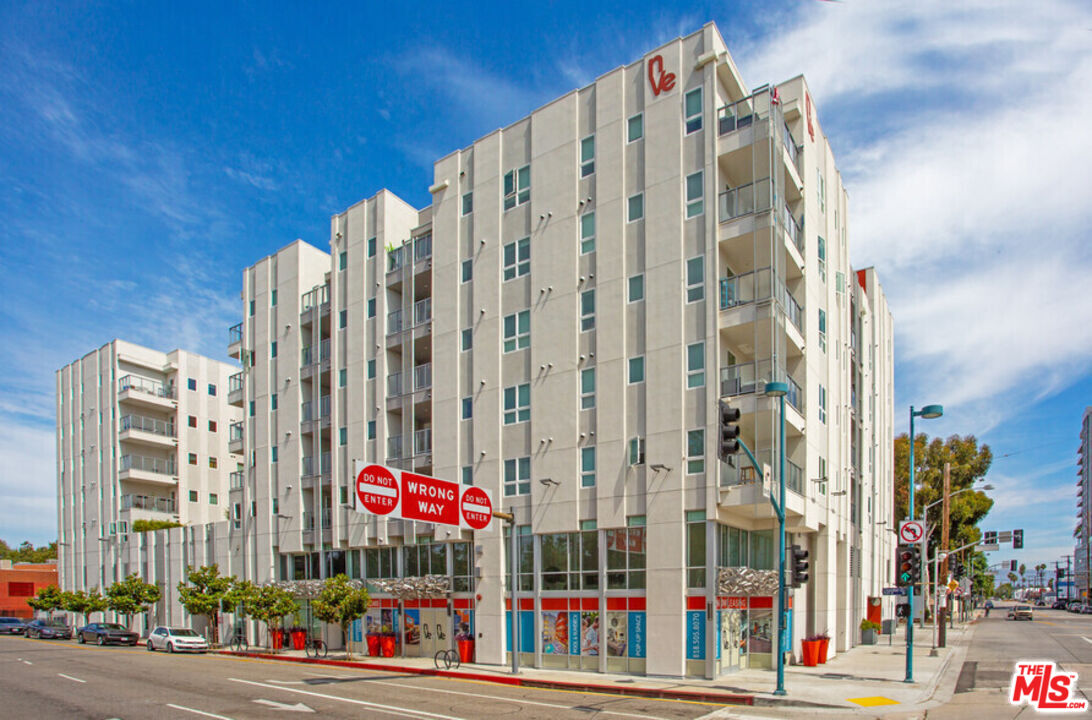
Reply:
x=476 y=507
x=377 y=490
x=408 y=496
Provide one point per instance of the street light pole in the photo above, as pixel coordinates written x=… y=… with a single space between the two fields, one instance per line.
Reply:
x=779 y=390
x=928 y=412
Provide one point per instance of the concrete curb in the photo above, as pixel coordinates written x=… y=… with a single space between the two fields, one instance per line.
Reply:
x=518 y=681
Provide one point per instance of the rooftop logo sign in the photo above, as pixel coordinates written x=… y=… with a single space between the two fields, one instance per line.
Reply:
x=660 y=80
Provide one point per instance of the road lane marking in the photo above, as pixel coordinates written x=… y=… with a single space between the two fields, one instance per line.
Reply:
x=298 y=707
x=1086 y=639
x=27 y=662
x=391 y=709
x=69 y=677
x=198 y=712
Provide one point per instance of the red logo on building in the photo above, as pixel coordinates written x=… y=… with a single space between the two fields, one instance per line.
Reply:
x=659 y=80
x=1042 y=685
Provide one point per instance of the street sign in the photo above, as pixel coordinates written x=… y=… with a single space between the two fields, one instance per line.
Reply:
x=911 y=531
x=894 y=591
x=1004 y=536
x=989 y=547
x=406 y=495
x=952 y=585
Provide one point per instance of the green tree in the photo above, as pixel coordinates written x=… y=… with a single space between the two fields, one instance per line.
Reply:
x=270 y=604
x=47 y=600
x=131 y=596
x=202 y=596
x=969 y=462
x=983 y=582
x=1004 y=591
x=341 y=601
x=27 y=553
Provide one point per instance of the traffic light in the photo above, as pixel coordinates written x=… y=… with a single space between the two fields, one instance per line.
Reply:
x=955 y=566
x=1012 y=566
x=990 y=537
x=799 y=566
x=909 y=565
x=1061 y=573
x=728 y=431
x=1017 y=539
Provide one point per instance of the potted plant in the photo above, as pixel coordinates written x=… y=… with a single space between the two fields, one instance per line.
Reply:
x=810 y=654
x=824 y=644
x=868 y=632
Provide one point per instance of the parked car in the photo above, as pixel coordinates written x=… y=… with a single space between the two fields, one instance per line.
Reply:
x=106 y=633
x=1074 y=606
x=1085 y=609
x=49 y=630
x=1021 y=612
x=12 y=626
x=174 y=639
x=1059 y=605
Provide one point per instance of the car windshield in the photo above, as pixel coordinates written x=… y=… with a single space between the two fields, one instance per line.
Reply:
x=112 y=626
x=57 y=623
x=183 y=632
x=1023 y=607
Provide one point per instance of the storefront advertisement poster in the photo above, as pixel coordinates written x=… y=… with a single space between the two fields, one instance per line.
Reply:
x=617 y=627
x=760 y=638
x=637 y=634
x=555 y=632
x=574 y=633
x=695 y=635
x=413 y=626
x=464 y=624
x=589 y=633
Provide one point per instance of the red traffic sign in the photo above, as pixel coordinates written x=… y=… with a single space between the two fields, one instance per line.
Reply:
x=429 y=499
x=476 y=508
x=377 y=490
x=911 y=531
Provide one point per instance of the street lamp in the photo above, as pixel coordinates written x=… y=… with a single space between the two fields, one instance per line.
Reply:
x=928 y=412
x=779 y=390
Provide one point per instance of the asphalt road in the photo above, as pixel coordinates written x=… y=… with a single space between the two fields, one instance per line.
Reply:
x=61 y=679
x=998 y=644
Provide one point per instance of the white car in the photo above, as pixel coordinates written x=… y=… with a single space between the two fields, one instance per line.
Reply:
x=174 y=639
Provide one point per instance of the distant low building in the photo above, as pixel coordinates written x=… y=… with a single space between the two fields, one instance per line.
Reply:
x=19 y=583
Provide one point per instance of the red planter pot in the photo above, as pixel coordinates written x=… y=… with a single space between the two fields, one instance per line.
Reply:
x=298 y=639
x=466 y=651
x=823 y=645
x=386 y=645
x=373 y=645
x=278 y=639
x=811 y=652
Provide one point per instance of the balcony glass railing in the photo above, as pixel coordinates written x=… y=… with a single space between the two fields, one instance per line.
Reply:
x=315 y=298
x=741 y=114
x=794 y=229
x=745 y=199
x=324 y=406
x=422 y=248
x=394 y=447
x=751 y=377
x=788 y=303
x=308 y=466
x=147 y=424
x=235 y=432
x=235 y=334
x=394 y=384
x=236 y=479
x=422 y=376
x=139 y=384
x=794 y=477
x=325 y=457
x=159 y=466
x=422 y=441
x=324 y=350
x=305 y=356
x=308 y=521
x=790 y=144
x=307 y=411
x=422 y=311
x=148 y=502
x=235 y=383
x=394 y=322
x=758 y=285
x=395 y=258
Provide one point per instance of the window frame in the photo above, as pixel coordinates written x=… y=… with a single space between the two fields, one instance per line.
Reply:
x=695 y=291
x=640 y=118
x=517 y=412
x=517 y=476
x=587 y=397
x=587 y=164
x=520 y=262
x=587 y=318
x=468 y=203
x=520 y=194
x=520 y=336
x=697 y=118
x=466 y=410
x=587 y=477
x=695 y=206
x=695 y=462
x=640 y=362
x=587 y=240
x=695 y=377
x=467 y=271
x=466 y=339
x=640 y=198
x=640 y=277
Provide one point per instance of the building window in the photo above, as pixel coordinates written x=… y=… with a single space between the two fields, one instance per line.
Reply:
x=274 y=454
x=695 y=279
x=636 y=208
x=273 y=297
x=695 y=452
x=637 y=450
x=821 y=188
x=693 y=110
x=517 y=330
x=637 y=369
x=587 y=232
x=821 y=245
x=467 y=339
x=517 y=258
x=371 y=308
x=587 y=388
x=822 y=404
x=626 y=555
x=517 y=187
x=635 y=128
x=468 y=408
x=371 y=369
x=587 y=310
x=587 y=467
x=212 y=462
x=822 y=329
x=371 y=429
x=273 y=349
x=212 y=426
x=213 y=499
x=342 y=377
x=273 y=401
x=251 y=308
x=343 y=494
x=190 y=383
x=637 y=288
x=342 y=260
x=193 y=496
x=468 y=270
x=343 y=436
x=371 y=247
x=695 y=194
x=587 y=156
x=695 y=549
x=192 y=421
x=468 y=475
x=342 y=319
x=517 y=476
x=517 y=404
x=695 y=365
x=468 y=203
x=212 y=389
x=251 y=408
x=192 y=458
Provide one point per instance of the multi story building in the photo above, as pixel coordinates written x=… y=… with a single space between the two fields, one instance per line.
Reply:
x=1083 y=531
x=141 y=435
x=558 y=327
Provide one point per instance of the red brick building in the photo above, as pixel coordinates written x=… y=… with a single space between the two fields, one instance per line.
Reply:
x=20 y=582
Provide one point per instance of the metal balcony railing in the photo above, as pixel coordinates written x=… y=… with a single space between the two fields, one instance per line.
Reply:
x=422 y=376
x=753 y=197
x=422 y=311
x=758 y=285
x=307 y=469
x=315 y=298
x=235 y=432
x=422 y=441
x=236 y=480
x=395 y=258
x=235 y=383
x=148 y=502
x=324 y=406
x=159 y=466
x=146 y=386
x=394 y=447
x=147 y=424
x=306 y=411
x=742 y=113
x=308 y=521
x=794 y=229
x=394 y=384
x=422 y=248
x=235 y=334
x=394 y=322
x=751 y=377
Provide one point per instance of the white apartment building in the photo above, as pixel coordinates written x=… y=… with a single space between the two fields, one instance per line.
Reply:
x=558 y=326
x=141 y=435
x=1083 y=532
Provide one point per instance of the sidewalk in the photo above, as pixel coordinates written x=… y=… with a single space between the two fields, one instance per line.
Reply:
x=867 y=679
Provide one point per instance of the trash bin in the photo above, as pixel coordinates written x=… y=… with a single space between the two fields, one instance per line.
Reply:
x=386 y=645
x=466 y=651
x=373 y=645
x=888 y=627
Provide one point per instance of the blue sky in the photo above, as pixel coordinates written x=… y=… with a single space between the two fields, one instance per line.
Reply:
x=148 y=154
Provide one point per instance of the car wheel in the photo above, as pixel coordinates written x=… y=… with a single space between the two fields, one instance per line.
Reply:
x=102 y=640
x=81 y=639
x=151 y=648
x=133 y=643
x=170 y=647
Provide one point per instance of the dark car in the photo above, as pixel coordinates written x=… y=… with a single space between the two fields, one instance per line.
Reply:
x=1059 y=605
x=12 y=626
x=49 y=630
x=107 y=633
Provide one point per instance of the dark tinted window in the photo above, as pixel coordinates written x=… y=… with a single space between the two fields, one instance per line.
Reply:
x=112 y=626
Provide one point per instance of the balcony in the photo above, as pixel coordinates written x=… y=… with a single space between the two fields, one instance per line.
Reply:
x=148 y=469
x=235 y=340
x=422 y=312
x=394 y=447
x=236 y=480
x=317 y=297
x=794 y=229
x=235 y=438
x=394 y=384
x=760 y=285
x=751 y=377
x=422 y=442
x=147 y=431
x=422 y=376
x=311 y=469
x=309 y=357
x=149 y=503
x=394 y=322
x=142 y=391
x=745 y=200
x=235 y=389
x=422 y=248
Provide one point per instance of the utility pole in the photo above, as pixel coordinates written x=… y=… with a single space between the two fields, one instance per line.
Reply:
x=943 y=573
x=1068 y=574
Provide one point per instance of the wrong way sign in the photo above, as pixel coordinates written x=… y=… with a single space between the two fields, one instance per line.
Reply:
x=911 y=531
x=406 y=495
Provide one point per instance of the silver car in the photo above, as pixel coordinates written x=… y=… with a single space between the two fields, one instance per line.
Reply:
x=173 y=639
